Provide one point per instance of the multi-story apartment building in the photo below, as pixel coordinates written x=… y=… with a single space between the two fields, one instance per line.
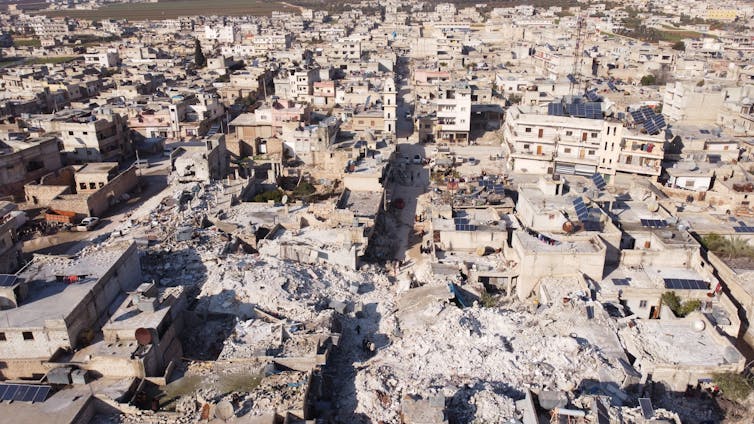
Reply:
x=45 y=27
x=546 y=144
x=296 y=85
x=22 y=160
x=682 y=102
x=225 y=34
x=271 y=42
x=453 y=113
x=88 y=135
x=346 y=49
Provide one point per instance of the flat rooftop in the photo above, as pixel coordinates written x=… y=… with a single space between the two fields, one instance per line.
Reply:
x=49 y=296
x=129 y=317
x=97 y=168
x=649 y=278
x=677 y=342
x=474 y=220
x=361 y=203
x=705 y=222
x=563 y=244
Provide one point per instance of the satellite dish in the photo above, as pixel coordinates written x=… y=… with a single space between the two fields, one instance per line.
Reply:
x=143 y=336
x=568 y=227
x=284 y=200
x=653 y=206
x=224 y=410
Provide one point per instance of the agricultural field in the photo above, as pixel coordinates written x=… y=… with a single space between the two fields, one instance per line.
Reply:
x=175 y=8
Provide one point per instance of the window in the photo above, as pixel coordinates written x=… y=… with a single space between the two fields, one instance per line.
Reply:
x=567 y=150
x=82 y=186
x=594 y=135
x=591 y=152
x=2 y=337
x=527 y=130
x=28 y=335
x=642 y=304
x=569 y=133
x=526 y=146
x=70 y=132
x=101 y=184
x=92 y=186
x=689 y=183
x=541 y=133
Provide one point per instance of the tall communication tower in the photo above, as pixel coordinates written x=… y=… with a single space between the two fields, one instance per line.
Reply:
x=578 y=57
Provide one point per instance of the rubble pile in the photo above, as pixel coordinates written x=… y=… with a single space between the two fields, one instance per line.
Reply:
x=468 y=347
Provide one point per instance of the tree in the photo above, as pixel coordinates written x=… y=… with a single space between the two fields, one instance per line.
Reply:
x=648 y=80
x=680 y=46
x=199 y=60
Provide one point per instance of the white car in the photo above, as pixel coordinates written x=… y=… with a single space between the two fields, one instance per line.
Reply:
x=88 y=224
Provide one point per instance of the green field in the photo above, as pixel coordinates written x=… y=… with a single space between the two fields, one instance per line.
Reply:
x=674 y=36
x=8 y=62
x=51 y=60
x=27 y=42
x=175 y=8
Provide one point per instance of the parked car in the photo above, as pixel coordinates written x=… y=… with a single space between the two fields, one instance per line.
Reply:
x=88 y=224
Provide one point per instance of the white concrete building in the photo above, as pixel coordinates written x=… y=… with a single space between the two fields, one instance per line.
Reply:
x=453 y=112
x=543 y=144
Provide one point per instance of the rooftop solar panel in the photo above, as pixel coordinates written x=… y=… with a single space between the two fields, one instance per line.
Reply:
x=599 y=181
x=42 y=393
x=685 y=284
x=465 y=227
x=461 y=221
x=10 y=394
x=621 y=281
x=555 y=109
x=659 y=120
x=581 y=210
x=23 y=393
x=7 y=280
x=654 y=223
x=593 y=96
x=26 y=394
x=646 y=408
x=743 y=229
x=592 y=226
